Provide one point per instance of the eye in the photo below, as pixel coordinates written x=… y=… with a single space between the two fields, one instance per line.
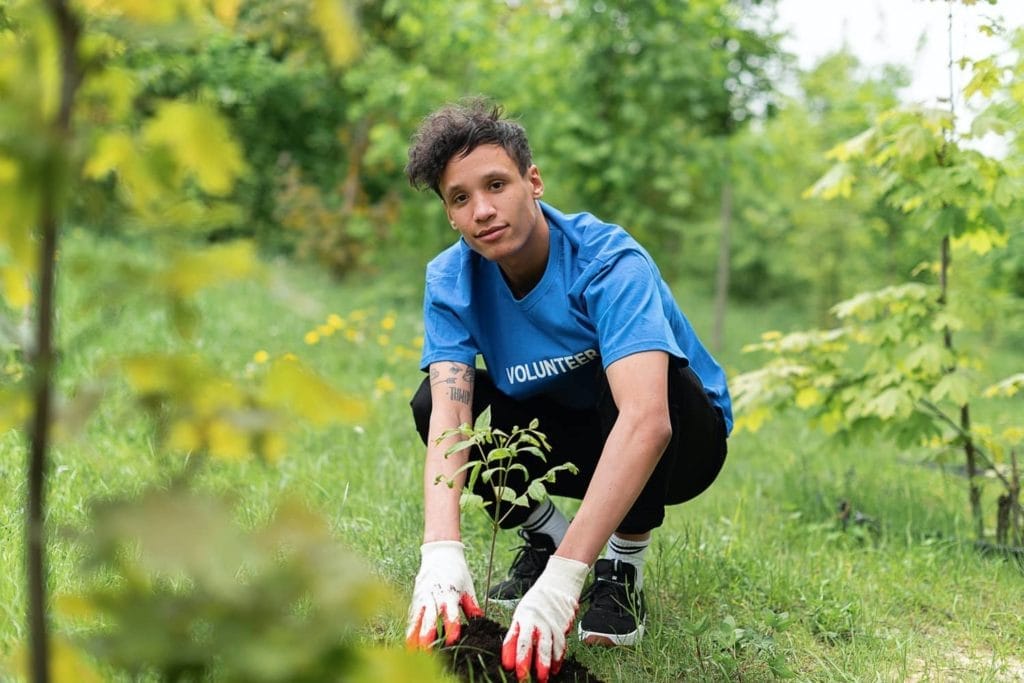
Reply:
x=459 y=198
x=496 y=185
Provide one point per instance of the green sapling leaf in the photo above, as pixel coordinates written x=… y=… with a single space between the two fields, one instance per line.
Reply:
x=549 y=476
x=528 y=438
x=537 y=490
x=467 y=466
x=518 y=467
x=496 y=454
x=533 y=450
x=461 y=445
x=483 y=420
x=474 y=472
x=471 y=501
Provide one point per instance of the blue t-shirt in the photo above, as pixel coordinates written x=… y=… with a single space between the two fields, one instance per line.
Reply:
x=601 y=298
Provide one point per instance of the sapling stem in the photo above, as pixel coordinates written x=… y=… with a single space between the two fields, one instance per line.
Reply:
x=494 y=466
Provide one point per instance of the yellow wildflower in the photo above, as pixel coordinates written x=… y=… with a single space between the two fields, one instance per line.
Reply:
x=184 y=436
x=325 y=330
x=385 y=384
x=271 y=447
x=335 y=321
x=388 y=323
x=227 y=441
x=311 y=337
x=261 y=356
x=383 y=340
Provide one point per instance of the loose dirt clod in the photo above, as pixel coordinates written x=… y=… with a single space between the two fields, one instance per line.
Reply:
x=477 y=657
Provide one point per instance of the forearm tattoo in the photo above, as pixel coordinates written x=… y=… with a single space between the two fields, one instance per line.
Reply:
x=455 y=371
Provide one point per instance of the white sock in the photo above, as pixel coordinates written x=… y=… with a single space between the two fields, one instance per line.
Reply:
x=547 y=519
x=630 y=552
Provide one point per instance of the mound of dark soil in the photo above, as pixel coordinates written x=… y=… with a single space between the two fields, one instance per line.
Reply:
x=476 y=656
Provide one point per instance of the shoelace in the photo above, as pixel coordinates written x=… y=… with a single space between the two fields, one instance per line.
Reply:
x=529 y=560
x=608 y=594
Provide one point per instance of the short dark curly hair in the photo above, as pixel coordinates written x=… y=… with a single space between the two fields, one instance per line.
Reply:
x=456 y=130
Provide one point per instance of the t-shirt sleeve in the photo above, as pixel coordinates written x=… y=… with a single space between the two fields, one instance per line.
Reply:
x=445 y=336
x=624 y=301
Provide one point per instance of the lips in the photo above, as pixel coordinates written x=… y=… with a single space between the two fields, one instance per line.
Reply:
x=490 y=233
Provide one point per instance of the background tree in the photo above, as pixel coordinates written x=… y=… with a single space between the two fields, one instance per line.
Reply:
x=73 y=112
x=892 y=367
x=805 y=248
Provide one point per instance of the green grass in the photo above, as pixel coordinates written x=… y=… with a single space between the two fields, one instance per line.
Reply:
x=906 y=598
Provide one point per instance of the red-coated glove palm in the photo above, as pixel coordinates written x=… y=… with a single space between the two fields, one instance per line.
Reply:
x=443 y=585
x=543 y=618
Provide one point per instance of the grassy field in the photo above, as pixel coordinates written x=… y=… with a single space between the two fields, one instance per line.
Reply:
x=756 y=577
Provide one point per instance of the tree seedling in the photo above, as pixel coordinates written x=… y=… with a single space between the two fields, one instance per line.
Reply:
x=500 y=453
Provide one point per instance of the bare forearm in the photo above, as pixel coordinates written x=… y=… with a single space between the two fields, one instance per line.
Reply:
x=635 y=445
x=451 y=390
x=441 y=517
x=630 y=455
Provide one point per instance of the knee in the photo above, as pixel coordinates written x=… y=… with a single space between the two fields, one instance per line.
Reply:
x=642 y=520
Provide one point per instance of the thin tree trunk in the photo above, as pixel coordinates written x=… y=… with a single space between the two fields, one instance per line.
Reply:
x=43 y=362
x=1014 y=493
x=971 y=456
x=724 y=260
x=970 y=453
x=35 y=541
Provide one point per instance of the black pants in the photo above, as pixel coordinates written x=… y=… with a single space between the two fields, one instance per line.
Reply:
x=690 y=463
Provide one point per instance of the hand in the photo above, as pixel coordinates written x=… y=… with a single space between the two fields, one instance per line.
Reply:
x=543 y=618
x=442 y=586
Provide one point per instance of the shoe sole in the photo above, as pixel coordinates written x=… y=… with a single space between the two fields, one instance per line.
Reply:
x=509 y=603
x=612 y=639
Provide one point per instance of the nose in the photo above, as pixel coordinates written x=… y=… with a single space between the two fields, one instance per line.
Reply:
x=483 y=209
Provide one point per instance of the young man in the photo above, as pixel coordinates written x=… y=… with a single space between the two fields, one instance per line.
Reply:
x=577 y=329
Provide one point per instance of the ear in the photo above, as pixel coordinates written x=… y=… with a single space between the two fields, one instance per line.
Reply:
x=536 y=182
x=448 y=215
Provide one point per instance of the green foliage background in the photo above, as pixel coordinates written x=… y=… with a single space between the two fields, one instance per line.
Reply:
x=239 y=282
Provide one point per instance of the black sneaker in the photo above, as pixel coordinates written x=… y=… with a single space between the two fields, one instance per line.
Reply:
x=526 y=568
x=617 y=611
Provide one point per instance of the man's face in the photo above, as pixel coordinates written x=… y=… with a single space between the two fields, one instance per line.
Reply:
x=493 y=206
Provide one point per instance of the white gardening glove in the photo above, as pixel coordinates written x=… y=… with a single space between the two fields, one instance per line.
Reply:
x=443 y=584
x=543 y=618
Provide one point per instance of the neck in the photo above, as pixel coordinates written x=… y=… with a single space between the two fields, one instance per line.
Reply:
x=521 y=287
x=523 y=274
